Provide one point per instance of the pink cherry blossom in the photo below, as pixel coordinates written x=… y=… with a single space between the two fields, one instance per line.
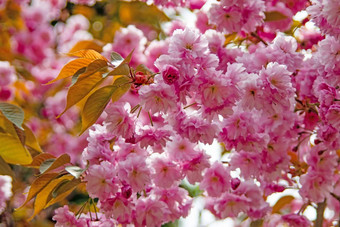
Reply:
x=216 y=180
x=151 y=212
x=135 y=172
x=119 y=121
x=102 y=181
x=166 y=173
x=64 y=217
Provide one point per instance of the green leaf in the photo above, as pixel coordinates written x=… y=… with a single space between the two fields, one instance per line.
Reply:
x=95 y=106
x=13 y=113
x=12 y=150
x=75 y=171
x=274 y=16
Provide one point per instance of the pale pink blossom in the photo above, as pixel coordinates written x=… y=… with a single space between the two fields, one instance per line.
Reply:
x=236 y=16
x=65 y=218
x=216 y=180
x=166 y=173
x=188 y=44
x=177 y=199
x=296 y=220
x=228 y=205
x=119 y=121
x=158 y=97
x=151 y=212
x=180 y=149
x=118 y=207
x=102 y=181
x=135 y=172
x=193 y=168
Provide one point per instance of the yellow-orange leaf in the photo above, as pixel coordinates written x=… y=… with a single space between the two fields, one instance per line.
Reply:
x=38 y=184
x=62 y=191
x=88 y=44
x=80 y=89
x=122 y=85
x=94 y=66
x=122 y=69
x=87 y=54
x=12 y=150
x=60 y=161
x=31 y=140
x=71 y=68
x=282 y=202
x=45 y=194
x=95 y=105
x=5 y=169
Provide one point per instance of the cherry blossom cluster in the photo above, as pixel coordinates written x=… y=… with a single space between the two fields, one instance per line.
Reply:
x=263 y=104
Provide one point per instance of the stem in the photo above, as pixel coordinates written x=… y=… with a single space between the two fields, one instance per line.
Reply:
x=303 y=208
x=190 y=105
x=259 y=38
x=135 y=108
x=150 y=119
x=319 y=213
x=140 y=109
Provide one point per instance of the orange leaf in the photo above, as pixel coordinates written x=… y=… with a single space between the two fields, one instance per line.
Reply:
x=274 y=16
x=39 y=159
x=37 y=185
x=88 y=44
x=71 y=68
x=281 y=203
x=60 y=161
x=87 y=54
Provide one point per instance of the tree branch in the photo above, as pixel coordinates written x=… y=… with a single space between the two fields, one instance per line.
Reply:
x=319 y=213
